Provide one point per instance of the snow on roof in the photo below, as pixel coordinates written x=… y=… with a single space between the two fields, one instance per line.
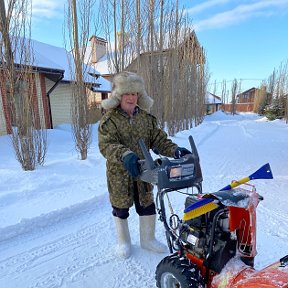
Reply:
x=47 y=56
x=212 y=99
x=103 y=64
x=105 y=85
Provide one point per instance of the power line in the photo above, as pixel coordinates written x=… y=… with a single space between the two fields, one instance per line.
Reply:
x=241 y=79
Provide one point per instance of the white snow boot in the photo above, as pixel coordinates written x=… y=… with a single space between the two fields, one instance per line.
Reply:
x=147 y=235
x=124 y=242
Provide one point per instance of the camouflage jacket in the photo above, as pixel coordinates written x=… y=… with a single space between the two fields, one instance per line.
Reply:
x=119 y=133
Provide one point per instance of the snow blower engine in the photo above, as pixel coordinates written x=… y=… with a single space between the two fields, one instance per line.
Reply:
x=217 y=231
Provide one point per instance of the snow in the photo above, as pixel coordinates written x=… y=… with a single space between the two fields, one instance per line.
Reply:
x=52 y=57
x=105 y=85
x=56 y=227
x=103 y=66
x=47 y=55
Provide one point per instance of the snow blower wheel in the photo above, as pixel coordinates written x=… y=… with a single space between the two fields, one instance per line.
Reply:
x=176 y=272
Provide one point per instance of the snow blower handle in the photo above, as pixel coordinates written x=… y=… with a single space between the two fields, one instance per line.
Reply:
x=171 y=174
x=148 y=163
x=193 y=148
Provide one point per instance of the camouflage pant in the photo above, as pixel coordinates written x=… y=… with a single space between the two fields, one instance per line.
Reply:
x=123 y=213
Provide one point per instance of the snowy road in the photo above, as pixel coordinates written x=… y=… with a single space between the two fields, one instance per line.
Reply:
x=75 y=253
x=56 y=228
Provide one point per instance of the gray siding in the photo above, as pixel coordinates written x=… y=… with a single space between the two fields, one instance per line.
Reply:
x=60 y=100
x=2 y=119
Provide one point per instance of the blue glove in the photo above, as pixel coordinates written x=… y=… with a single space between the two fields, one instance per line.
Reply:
x=131 y=164
x=180 y=152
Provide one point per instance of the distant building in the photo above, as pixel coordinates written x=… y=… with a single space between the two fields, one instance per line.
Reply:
x=213 y=103
x=247 y=96
x=97 y=56
x=249 y=100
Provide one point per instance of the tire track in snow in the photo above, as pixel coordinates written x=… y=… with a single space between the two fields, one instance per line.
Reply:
x=76 y=257
x=279 y=222
x=207 y=136
x=144 y=273
x=218 y=128
x=78 y=250
x=272 y=235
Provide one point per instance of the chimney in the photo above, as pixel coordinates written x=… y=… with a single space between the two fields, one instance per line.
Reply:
x=98 y=50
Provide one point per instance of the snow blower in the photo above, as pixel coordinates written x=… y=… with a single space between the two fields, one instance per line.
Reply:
x=214 y=244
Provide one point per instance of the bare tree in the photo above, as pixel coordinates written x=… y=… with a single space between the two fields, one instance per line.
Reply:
x=261 y=99
x=115 y=17
x=234 y=92
x=29 y=139
x=224 y=92
x=157 y=42
x=79 y=23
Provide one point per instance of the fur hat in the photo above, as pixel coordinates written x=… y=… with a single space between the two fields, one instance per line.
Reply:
x=128 y=82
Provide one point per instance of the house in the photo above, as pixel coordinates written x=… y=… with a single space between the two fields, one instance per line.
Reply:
x=53 y=69
x=190 y=49
x=245 y=100
x=249 y=100
x=101 y=58
x=47 y=75
x=97 y=56
x=247 y=96
x=213 y=103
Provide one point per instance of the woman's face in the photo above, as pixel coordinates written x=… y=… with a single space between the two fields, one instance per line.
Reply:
x=129 y=102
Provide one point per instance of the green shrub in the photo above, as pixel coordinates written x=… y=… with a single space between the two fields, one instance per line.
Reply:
x=275 y=110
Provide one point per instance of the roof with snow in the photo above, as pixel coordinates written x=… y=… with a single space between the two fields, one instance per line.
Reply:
x=212 y=99
x=104 y=66
x=47 y=57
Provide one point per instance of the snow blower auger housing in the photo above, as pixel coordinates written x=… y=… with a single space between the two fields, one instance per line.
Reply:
x=214 y=244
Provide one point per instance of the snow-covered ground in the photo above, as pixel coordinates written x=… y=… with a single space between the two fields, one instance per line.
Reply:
x=56 y=227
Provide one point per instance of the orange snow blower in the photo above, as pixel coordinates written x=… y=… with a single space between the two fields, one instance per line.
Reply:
x=214 y=245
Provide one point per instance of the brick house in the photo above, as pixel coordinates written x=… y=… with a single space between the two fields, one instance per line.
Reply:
x=245 y=100
x=247 y=96
x=45 y=80
x=52 y=79
x=248 y=100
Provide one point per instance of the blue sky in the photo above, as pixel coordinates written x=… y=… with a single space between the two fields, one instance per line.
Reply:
x=243 y=39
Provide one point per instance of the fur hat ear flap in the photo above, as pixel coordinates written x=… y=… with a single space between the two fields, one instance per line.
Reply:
x=110 y=103
x=128 y=82
x=145 y=102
